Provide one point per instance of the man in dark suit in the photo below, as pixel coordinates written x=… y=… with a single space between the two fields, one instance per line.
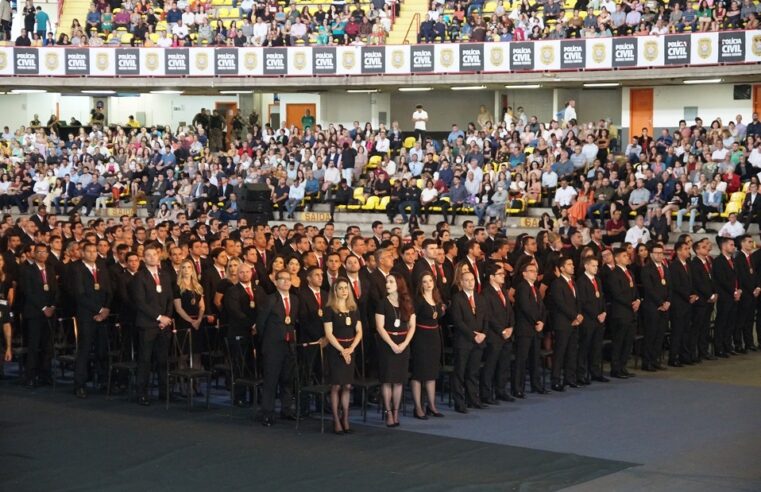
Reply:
x=566 y=319
x=704 y=288
x=468 y=312
x=360 y=289
x=312 y=301
x=93 y=294
x=682 y=300
x=276 y=321
x=656 y=293
x=595 y=243
x=750 y=287
x=592 y=301
x=621 y=292
x=500 y=322
x=427 y=264
x=210 y=281
x=406 y=264
x=40 y=294
x=530 y=316
x=751 y=207
x=473 y=259
x=729 y=292
x=240 y=305
x=151 y=296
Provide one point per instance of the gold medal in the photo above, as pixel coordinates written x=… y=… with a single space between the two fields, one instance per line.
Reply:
x=319 y=313
x=158 y=289
x=252 y=304
x=45 y=287
x=597 y=294
x=631 y=284
x=193 y=302
x=751 y=270
x=435 y=314
x=348 y=321
x=443 y=280
x=287 y=320
x=663 y=281
x=97 y=286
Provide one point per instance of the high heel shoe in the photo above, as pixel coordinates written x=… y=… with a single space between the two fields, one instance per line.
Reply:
x=347 y=429
x=429 y=411
x=386 y=414
x=396 y=417
x=338 y=430
x=423 y=417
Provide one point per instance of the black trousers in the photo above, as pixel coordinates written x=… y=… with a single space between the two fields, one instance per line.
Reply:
x=726 y=316
x=278 y=361
x=39 y=357
x=496 y=370
x=240 y=355
x=467 y=363
x=589 y=359
x=90 y=332
x=426 y=209
x=152 y=339
x=654 y=331
x=746 y=318
x=622 y=337
x=701 y=330
x=527 y=349
x=564 y=354
x=681 y=321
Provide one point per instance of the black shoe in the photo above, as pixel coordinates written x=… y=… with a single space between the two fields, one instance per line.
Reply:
x=619 y=375
x=429 y=411
x=80 y=393
x=30 y=384
x=572 y=385
x=601 y=379
x=710 y=357
x=753 y=348
x=659 y=367
x=584 y=382
x=241 y=403
x=46 y=381
x=733 y=352
x=289 y=416
x=722 y=355
x=477 y=405
x=490 y=401
x=144 y=401
x=675 y=363
x=648 y=368
x=557 y=387
x=268 y=421
x=460 y=409
x=628 y=374
x=742 y=351
x=519 y=395
x=540 y=391
x=505 y=397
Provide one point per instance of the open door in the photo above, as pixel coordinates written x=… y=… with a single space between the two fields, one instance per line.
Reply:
x=640 y=111
x=757 y=99
x=294 y=113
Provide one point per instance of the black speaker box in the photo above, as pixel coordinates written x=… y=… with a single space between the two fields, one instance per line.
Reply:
x=256 y=193
x=255 y=219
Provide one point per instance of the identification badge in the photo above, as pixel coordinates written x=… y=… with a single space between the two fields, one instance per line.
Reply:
x=287 y=320
x=663 y=281
x=192 y=302
x=158 y=289
x=435 y=314
x=397 y=323
x=45 y=287
x=252 y=304
x=319 y=313
x=348 y=321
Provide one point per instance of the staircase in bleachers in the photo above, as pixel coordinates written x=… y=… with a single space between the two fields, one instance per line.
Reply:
x=406 y=15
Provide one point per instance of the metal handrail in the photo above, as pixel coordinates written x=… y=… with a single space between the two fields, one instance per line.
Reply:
x=415 y=20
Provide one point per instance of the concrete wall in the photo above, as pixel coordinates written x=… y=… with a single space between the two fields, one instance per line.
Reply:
x=443 y=107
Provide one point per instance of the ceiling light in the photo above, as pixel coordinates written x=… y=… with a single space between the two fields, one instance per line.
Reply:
x=96 y=91
x=167 y=92
x=468 y=87
x=28 y=91
x=602 y=84
x=362 y=91
x=415 y=89
x=702 y=81
x=529 y=86
x=234 y=93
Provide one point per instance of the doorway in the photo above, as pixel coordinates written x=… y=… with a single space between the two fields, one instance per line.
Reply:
x=757 y=98
x=294 y=113
x=640 y=111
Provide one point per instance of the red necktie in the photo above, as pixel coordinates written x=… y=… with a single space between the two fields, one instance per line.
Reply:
x=319 y=299
x=198 y=267
x=250 y=293
x=156 y=279
x=570 y=284
x=356 y=288
x=629 y=276
x=472 y=302
x=501 y=297
x=287 y=307
x=533 y=290
x=747 y=259
x=44 y=275
x=221 y=274
x=731 y=264
x=319 y=261
x=660 y=271
x=441 y=271
x=95 y=274
x=435 y=274
x=594 y=282
x=707 y=268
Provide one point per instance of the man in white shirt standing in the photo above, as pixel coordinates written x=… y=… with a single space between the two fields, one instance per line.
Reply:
x=420 y=119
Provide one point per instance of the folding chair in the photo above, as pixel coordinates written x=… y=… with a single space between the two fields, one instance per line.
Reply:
x=318 y=388
x=180 y=340
x=123 y=360
x=243 y=368
x=65 y=344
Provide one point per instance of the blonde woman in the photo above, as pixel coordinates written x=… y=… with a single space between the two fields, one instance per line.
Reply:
x=231 y=278
x=343 y=330
x=7 y=293
x=189 y=307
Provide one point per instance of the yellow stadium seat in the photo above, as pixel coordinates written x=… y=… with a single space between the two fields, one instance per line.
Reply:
x=409 y=142
x=737 y=196
x=420 y=183
x=371 y=203
x=746 y=186
x=383 y=203
x=374 y=162
x=126 y=38
x=732 y=208
x=359 y=195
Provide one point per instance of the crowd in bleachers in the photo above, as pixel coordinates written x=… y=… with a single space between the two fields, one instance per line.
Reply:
x=490 y=168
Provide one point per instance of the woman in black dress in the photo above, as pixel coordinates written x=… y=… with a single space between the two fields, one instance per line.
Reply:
x=231 y=278
x=426 y=346
x=189 y=307
x=7 y=292
x=395 y=322
x=343 y=331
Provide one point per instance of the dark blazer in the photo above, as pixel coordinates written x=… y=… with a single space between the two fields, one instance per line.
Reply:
x=654 y=293
x=34 y=295
x=479 y=265
x=465 y=322
x=121 y=279
x=621 y=293
x=591 y=305
x=752 y=207
x=724 y=277
x=89 y=300
x=565 y=304
x=270 y=320
x=421 y=268
x=529 y=309
x=239 y=314
x=702 y=281
x=681 y=286
x=310 y=322
x=148 y=303
x=500 y=315
x=209 y=282
x=746 y=275
x=407 y=274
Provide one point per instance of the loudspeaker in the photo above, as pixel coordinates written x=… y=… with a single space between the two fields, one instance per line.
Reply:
x=255 y=192
x=255 y=219
x=742 y=92
x=255 y=207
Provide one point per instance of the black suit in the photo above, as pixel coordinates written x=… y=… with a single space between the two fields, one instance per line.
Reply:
x=529 y=309
x=310 y=329
x=406 y=272
x=422 y=267
x=278 y=350
x=751 y=210
x=621 y=292
x=655 y=292
x=746 y=313
x=149 y=304
x=591 y=331
x=499 y=351
x=726 y=281
x=468 y=353
x=476 y=268
x=210 y=280
x=91 y=299
x=35 y=298
x=241 y=317
x=704 y=288
x=564 y=308
x=682 y=338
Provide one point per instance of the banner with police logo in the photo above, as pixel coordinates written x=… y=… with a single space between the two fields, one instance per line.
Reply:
x=373 y=59
x=599 y=53
x=573 y=54
x=225 y=61
x=397 y=59
x=275 y=61
x=6 y=61
x=547 y=55
x=731 y=47
x=324 y=61
x=202 y=62
x=152 y=62
x=128 y=61
x=26 y=61
x=52 y=62
x=521 y=56
x=447 y=57
x=102 y=62
x=250 y=62
x=177 y=61
x=496 y=57
x=471 y=57
x=676 y=49
x=753 y=43
x=349 y=60
x=300 y=61
x=421 y=58
x=624 y=52
x=650 y=51
x=703 y=48
x=77 y=61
